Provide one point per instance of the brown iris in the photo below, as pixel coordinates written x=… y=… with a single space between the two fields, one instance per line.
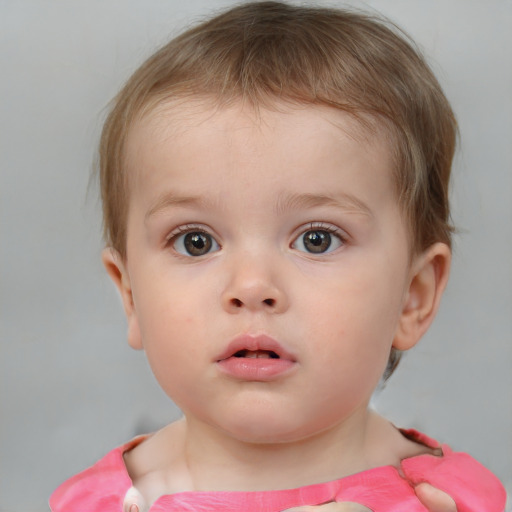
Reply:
x=197 y=243
x=317 y=241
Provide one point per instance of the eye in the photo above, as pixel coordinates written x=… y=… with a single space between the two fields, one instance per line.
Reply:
x=318 y=241
x=194 y=243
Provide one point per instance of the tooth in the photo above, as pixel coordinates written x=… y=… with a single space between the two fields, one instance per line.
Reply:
x=257 y=354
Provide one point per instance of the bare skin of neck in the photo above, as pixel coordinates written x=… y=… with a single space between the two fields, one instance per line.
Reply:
x=189 y=456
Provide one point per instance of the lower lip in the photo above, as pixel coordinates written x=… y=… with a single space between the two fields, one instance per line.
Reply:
x=255 y=369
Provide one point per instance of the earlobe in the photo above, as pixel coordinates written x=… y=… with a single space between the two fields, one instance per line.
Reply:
x=116 y=269
x=429 y=276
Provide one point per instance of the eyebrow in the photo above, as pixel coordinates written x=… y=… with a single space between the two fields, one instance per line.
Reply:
x=342 y=200
x=168 y=200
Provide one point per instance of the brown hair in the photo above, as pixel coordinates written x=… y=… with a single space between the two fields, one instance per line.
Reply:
x=267 y=51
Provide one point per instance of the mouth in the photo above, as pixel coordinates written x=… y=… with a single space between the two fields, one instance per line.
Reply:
x=261 y=346
x=257 y=354
x=255 y=358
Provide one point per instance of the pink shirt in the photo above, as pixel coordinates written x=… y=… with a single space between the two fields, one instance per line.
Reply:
x=102 y=487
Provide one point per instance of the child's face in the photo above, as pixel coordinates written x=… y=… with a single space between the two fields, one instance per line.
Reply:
x=252 y=234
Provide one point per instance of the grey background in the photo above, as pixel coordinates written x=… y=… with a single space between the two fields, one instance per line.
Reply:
x=70 y=388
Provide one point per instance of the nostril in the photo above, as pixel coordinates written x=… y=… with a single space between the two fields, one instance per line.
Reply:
x=237 y=303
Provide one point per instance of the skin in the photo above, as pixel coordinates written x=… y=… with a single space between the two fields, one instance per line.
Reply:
x=256 y=188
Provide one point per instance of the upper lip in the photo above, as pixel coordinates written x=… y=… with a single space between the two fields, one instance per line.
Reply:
x=254 y=343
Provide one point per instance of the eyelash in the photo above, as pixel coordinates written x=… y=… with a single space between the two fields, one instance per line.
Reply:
x=182 y=231
x=320 y=226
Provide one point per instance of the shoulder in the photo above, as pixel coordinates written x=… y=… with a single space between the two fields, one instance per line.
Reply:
x=390 y=488
x=100 y=488
x=473 y=487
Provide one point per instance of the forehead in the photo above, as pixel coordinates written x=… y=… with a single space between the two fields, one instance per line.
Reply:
x=196 y=122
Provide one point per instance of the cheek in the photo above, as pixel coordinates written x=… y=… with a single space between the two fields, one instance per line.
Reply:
x=169 y=337
x=355 y=320
x=174 y=360
x=167 y=308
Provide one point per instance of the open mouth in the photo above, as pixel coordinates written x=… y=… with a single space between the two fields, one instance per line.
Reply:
x=256 y=354
x=256 y=358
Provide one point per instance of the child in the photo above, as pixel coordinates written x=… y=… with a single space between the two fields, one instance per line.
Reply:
x=274 y=186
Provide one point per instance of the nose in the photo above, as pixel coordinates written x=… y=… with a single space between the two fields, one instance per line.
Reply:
x=254 y=285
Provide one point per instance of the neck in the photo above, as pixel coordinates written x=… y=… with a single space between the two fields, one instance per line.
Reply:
x=217 y=461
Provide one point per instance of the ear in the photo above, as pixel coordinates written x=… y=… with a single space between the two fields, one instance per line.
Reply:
x=116 y=269
x=427 y=281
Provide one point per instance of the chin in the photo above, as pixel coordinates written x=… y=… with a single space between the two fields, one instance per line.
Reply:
x=269 y=430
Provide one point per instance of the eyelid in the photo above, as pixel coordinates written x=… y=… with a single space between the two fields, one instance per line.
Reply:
x=322 y=226
x=187 y=228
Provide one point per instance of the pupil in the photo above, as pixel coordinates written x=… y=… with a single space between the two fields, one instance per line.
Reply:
x=317 y=241
x=197 y=244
